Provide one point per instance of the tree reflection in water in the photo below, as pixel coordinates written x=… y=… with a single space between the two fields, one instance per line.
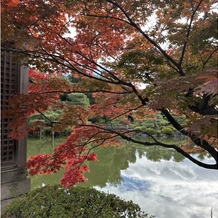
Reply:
x=107 y=171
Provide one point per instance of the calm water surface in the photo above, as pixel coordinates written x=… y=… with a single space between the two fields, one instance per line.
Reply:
x=162 y=182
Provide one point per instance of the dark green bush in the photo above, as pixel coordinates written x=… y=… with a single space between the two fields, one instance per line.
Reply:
x=55 y=202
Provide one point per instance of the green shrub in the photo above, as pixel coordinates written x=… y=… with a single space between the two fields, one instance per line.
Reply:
x=163 y=123
x=149 y=123
x=78 y=99
x=137 y=128
x=136 y=123
x=55 y=202
x=172 y=128
x=150 y=131
x=167 y=131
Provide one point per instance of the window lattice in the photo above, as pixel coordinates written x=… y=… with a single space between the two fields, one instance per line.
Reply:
x=9 y=87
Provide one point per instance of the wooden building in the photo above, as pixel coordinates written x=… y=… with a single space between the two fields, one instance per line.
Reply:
x=14 y=181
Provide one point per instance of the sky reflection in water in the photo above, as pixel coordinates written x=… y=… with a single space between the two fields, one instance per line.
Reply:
x=169 y=189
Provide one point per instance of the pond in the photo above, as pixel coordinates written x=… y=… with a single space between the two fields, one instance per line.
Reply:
x=162 y=182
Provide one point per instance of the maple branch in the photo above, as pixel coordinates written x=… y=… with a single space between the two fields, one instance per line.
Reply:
x=188 y=32
x=207 y=111
x=66 y=63
x=90 y=141
x=173 y=67
x=126 y=112
x=85 y=91
x=133 y=24
x=106 y=52
x=143 y=100
x=68 y=42
x=211 y=54
x=65 y=25
x=56 y=58
x=87 y=142
x=93 y=147
x=158 y=143
x=69 y=65
x=52 y=122
x=61 y=60
x=119 y=81
x=107 y=16
x=201 y=143
x=178 y=149
x=203 y=108
x=100 y=66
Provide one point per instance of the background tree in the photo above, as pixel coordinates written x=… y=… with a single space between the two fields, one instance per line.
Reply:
x=168 y=47
x=74 y=80
x=78 y=99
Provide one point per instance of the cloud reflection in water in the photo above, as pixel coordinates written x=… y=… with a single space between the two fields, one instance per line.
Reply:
x=169 y=189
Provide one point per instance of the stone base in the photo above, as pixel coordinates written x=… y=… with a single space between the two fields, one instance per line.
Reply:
x=9 y=191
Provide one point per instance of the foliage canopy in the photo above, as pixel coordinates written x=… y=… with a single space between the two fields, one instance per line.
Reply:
x=140 y=57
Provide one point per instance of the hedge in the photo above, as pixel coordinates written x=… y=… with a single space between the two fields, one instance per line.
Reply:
x=78 y=202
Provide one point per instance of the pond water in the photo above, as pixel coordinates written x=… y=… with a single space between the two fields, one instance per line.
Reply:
x=162 y=182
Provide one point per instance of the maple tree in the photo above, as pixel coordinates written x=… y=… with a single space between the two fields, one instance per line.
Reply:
x=140 y=57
